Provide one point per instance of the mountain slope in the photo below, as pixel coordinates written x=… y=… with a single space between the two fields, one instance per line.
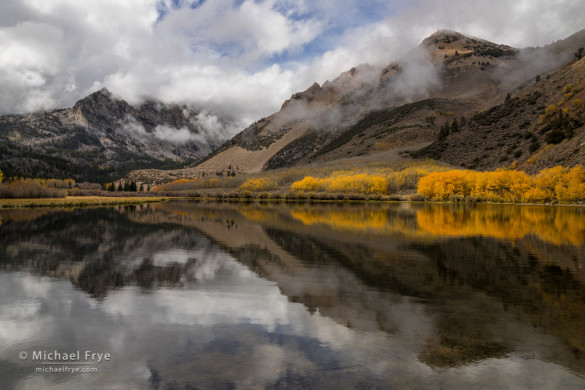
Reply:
x=369 y=110
x=541 y=126
x=101 y=138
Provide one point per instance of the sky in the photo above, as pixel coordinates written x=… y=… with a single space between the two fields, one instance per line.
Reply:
x=242 y=58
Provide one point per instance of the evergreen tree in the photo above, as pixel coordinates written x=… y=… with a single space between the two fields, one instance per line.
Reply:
x=132 y=186
x=444 y=132
x=454 y=126
x=126 y=186
x=120 y=187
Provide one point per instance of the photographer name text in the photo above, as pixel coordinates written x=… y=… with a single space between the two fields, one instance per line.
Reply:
x=77 y=356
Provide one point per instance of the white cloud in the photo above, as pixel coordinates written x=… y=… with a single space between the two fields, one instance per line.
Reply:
x=221 y=56
x=177 y=136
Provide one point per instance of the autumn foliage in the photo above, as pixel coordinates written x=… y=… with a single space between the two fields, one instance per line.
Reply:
x=29 y=188
x=558 y=184
x=383 y=181
x=259 y=184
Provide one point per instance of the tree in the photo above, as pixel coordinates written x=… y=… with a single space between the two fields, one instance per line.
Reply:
x=579 y=53
x=463 y=121
x=508 y=98
x=454 y=126
x=132 y=186
x=1 y=176
x=126 y=186
x=120 y=187
x=444 y=132
x=112 y=187
x=537 y=78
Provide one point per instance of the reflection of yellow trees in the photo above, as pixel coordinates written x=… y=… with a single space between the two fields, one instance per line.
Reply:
x=363 y=219
x=353 y=219
x=555 y=184
x=554 y=225
x=257 y=214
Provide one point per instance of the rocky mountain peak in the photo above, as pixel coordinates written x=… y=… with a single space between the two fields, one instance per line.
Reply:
x=313 y=92
x=106 y=92
x=102 y=107
x=445 y=44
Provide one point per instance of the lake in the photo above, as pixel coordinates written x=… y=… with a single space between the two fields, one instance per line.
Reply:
x=199 y=295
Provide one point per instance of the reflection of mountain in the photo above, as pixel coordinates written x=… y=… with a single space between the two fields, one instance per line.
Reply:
x=98 y=250
x=469 y=284
x=483 y=294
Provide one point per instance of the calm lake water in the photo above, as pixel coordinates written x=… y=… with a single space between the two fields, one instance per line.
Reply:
x=186 y=295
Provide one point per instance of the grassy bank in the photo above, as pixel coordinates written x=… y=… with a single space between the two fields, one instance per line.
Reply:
x=76 y=201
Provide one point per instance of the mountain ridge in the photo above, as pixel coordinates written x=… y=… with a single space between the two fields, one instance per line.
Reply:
x=102 y=138
x=365 y=111
x=369 y=110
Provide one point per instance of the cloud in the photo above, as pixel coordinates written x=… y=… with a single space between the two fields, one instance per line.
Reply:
x=177 y=136
x=238 y=57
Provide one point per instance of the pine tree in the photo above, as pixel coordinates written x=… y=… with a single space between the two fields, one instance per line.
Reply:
x=132 y=186
x=444 y=132
x=454 y=126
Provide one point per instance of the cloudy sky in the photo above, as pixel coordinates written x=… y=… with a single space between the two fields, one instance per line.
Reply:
x=244 y=57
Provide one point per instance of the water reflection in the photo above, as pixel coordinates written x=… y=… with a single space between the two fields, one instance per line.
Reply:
x=188 y=295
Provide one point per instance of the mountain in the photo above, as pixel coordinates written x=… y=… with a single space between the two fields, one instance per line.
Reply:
x=540 y=126
x=371 y=110
x=102 y=138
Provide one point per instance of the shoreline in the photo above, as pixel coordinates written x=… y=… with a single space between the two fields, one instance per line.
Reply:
x=77 y=201
x=87 y=201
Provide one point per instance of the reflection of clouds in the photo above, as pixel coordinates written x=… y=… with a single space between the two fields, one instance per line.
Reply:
x=21 y=301
x=227 y=292
x=229 y=326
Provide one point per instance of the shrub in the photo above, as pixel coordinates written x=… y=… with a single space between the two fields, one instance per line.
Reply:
x=550 y=110
x=28 y=189
x=555 y=184
x=260 y=184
